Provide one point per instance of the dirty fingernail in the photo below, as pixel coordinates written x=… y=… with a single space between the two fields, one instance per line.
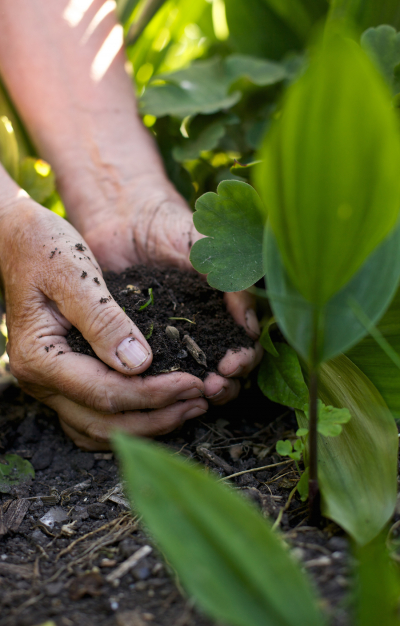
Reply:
x=131 y=352
x=238 y=371
x=252 y=322
x=196 y=412
x=189 y=394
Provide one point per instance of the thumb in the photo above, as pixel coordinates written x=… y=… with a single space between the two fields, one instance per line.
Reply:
x=115 y=339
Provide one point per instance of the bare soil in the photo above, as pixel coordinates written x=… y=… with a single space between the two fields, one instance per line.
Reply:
x=64 y=572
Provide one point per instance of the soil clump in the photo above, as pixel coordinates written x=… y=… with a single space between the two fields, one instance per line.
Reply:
x=158 y=300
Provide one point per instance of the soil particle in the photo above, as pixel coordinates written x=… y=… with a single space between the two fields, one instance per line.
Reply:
x=187 y=326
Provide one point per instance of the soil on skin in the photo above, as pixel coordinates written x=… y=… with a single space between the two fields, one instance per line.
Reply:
x=176 y=295
x=61 y=573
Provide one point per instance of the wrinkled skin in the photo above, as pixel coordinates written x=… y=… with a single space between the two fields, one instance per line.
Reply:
x=122 y=209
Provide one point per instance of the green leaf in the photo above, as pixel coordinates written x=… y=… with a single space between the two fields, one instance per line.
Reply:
x=329 y=175
x=233 y=220
x=244 y=170
x=204 y=86
x=373 y=288
x=2 y=344
x=383 y=46
x=281 y=379
x=375 y=364
x=355 y=494
x=9 y=154
x=330 y=419
x=37 y=178
x=204 y=135
x=302 y=485
x=243 y=574
x=265 y=339
x=377 y=584
x=302 y=432
x=284 y=448
x=14 y=470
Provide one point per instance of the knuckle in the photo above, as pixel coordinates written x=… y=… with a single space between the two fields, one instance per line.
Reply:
x=102 y=399
x=97 y=432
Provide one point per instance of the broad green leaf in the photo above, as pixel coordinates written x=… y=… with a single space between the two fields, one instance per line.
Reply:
x=366 y=13
x=259 y=71
x=37 y=178
x=329 y=175
x=372 y=287
x=383 y=46
x=9 y=154
x=256 y=29
x=2 y=344
x=281 y=379
x=204 y=87
x=358 y=469
x=242 y=575
x=375 y=364
x=265 y=339
x=14 y=470
x=377 y=584
x=233 y=220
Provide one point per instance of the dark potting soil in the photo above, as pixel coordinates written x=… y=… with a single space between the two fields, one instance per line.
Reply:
x=64 y=572
x=175 y=294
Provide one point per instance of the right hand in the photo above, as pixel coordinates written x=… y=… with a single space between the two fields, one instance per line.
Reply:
x=41 y=271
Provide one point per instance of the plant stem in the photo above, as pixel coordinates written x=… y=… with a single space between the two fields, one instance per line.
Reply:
x=313 y=487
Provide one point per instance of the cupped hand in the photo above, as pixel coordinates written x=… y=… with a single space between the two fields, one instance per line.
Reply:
x=151 y=224
x=51 y=279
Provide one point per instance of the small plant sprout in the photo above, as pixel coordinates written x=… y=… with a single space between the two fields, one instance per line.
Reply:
x=149 y=301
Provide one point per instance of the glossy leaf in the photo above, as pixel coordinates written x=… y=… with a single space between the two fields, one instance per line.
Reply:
x=372 y=287
x=204 y=86
x=243 y=575
x=329 y=175
x=383 y=46
x=281 y=379
x=9 y=153
x=37 y=178
x=233 y=220
x=358 y=469
x=14 y=470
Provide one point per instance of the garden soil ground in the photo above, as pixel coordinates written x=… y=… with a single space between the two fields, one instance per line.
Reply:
x=64 y=534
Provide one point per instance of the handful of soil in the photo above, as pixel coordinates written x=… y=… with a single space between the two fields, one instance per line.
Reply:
x=183 y=319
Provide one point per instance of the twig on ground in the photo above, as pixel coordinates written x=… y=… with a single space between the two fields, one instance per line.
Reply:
x=256 y=469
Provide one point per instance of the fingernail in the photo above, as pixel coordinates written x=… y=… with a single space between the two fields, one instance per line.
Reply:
x=196 y=412
x=131 y=353
x=220 y=393
x=238 y=371
x=189 y=394
x=252 y=322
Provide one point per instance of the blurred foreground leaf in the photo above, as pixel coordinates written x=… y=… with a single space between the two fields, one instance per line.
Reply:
x=224 y=552
x=372 y=288
x=357 y=469
x=377 y=584
x=233 y=220
x=329 y=172
x=14 y=470
x=383 y=46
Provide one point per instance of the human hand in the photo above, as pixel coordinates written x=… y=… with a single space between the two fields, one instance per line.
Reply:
x=42 y=276
x=152 y=225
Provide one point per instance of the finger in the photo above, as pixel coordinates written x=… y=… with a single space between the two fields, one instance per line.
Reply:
x=236 y=364
x=91 y=430
x=82 y=297
x=219 y=390
x=241 y=305
x=92 y=384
